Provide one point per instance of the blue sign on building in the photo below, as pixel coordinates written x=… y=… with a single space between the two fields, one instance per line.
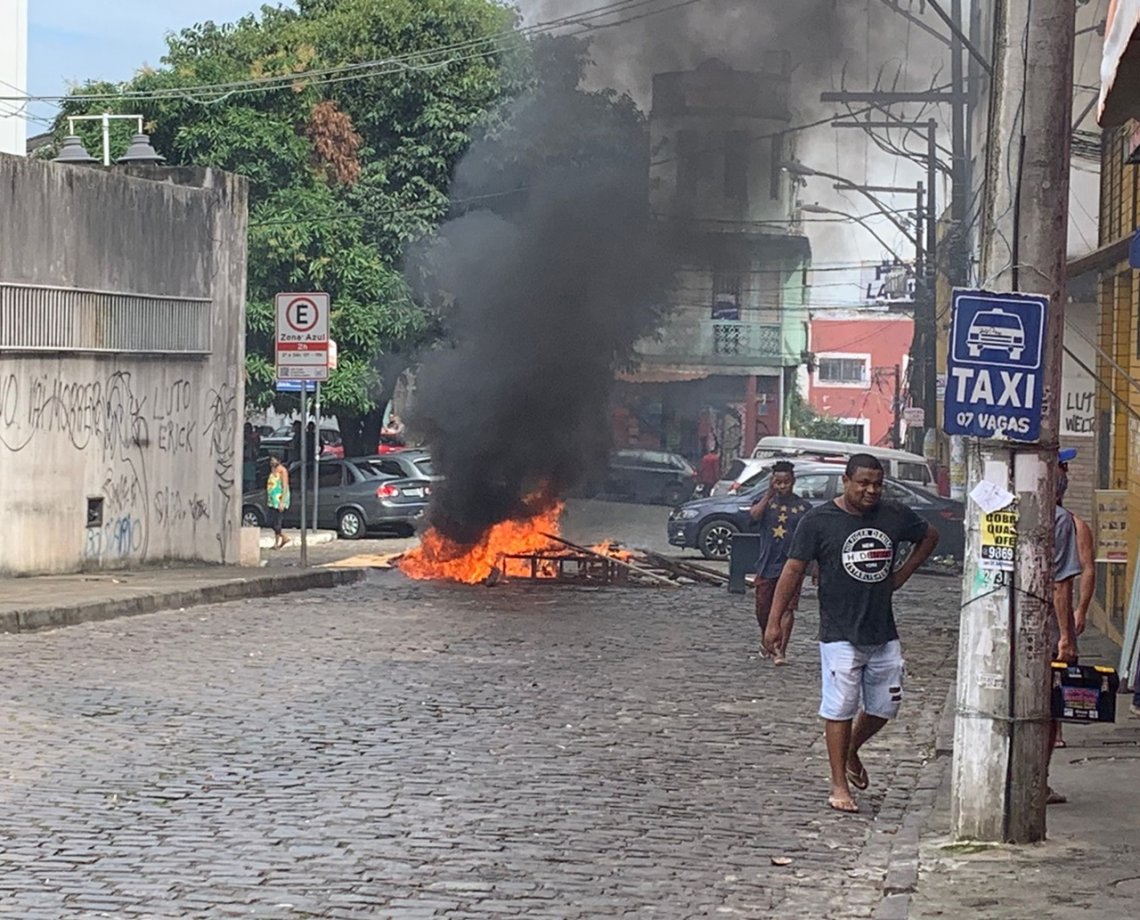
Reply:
x=294 y=386
x=994 y=379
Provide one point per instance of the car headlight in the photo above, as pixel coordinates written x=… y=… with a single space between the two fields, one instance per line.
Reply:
x=685 y=514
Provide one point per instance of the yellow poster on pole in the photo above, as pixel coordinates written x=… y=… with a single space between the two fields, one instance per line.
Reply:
x=999 y=540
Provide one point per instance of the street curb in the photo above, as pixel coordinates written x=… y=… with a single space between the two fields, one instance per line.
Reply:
x=944 y=734
x=905 y=860
x=37 y=618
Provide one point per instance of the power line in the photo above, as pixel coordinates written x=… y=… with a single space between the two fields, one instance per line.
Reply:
x=381 y=66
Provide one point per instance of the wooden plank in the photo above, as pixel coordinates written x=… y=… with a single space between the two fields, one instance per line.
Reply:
x=643 y=572
x=686 y=569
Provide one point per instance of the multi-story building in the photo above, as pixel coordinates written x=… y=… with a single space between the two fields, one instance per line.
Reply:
x=858 y=372
x=1114 y=265
x=723 y=361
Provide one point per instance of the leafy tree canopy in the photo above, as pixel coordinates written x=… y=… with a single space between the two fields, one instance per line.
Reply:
x=349 y=137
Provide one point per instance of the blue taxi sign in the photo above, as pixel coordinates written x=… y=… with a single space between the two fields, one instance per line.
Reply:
x=994 y=381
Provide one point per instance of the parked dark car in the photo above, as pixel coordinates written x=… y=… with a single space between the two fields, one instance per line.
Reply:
x=708 y=524
x=356 y=496
x=650 y=476
x=281 y=443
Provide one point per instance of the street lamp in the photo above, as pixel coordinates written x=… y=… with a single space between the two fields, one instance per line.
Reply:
x=140 y=150
x=844 y=184
x=860 y=220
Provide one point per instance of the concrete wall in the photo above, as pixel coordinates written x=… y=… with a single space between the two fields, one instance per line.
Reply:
x=153 y=428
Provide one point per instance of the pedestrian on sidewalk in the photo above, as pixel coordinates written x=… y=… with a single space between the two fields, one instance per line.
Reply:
x=854 y=539
x=1086 y=557
x=277 y=498
x=775 y=516
x=1062 y=627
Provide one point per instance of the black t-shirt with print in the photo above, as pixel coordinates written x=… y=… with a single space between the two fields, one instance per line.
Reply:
x=856 y=554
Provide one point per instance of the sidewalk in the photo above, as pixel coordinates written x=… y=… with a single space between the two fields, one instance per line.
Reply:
x=63 y=600
x=1087 y=867
x=268 y=538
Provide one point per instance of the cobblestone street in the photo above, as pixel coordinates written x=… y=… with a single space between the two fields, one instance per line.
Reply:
x=395 y=749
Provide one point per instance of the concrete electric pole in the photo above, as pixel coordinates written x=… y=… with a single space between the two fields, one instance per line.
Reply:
x=999 y=772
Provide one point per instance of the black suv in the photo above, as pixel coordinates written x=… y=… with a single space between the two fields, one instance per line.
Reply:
x=708 y=524
x=651 y=476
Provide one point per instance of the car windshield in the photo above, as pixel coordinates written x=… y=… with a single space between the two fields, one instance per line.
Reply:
x=734 y=470
x=423 y=464
x=999 y=321
x=373 y=469
x=757 y=486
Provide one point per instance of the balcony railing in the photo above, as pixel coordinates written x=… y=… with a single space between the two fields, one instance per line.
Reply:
x=716 y=342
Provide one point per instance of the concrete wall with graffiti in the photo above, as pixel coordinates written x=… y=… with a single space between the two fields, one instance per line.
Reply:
x=121 y=354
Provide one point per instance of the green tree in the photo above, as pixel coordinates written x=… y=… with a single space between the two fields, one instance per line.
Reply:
x=805 y=422
x=349 y=134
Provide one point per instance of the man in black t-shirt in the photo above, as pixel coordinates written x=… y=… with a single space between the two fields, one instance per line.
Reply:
x=854 y=540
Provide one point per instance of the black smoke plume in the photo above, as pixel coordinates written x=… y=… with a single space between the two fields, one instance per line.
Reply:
x=550 y=286
x=549 y=294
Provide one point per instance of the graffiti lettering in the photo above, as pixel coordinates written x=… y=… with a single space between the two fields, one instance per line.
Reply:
x=223 y=412
x=116 y=539
x=132 y=439
x=169 y=509
x=105 y=413
x=175 y=420
x=175 y=437
x=122 y=491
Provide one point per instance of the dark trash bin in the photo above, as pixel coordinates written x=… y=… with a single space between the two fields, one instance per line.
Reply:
x=742 y=559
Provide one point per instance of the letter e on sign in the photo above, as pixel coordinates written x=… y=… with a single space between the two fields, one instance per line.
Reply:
x=302 y=336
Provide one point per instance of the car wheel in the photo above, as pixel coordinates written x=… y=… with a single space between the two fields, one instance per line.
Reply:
x=251 y=517
x=350 y=524
x=715 y=539
x=675 y=494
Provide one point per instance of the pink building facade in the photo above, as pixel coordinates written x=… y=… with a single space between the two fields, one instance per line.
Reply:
x=859 y=371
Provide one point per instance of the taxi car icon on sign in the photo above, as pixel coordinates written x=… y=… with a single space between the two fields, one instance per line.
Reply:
x=998 y=330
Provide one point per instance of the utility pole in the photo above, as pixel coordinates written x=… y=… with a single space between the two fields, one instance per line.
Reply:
x=896 y=424
x=999 y=772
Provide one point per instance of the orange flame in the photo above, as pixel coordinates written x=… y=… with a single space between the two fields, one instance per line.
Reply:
x=437 y=557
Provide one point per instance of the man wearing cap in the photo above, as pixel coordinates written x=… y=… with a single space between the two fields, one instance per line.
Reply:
x=1086 y=545
x=1073 y=556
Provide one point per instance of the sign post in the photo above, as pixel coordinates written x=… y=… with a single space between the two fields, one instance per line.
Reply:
x=994 y=369
x=1000 y=364
x=302 y=355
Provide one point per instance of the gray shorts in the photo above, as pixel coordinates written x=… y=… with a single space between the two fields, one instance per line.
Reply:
x=872 y=677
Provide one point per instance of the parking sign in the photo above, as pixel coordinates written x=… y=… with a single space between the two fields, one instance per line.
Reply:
x=302 y=336
x=994 y=369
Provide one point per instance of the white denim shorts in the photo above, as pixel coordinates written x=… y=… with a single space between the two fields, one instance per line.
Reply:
x=873 y=677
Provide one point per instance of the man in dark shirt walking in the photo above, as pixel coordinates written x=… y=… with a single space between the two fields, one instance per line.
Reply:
x=775 y=517
x=854 y=539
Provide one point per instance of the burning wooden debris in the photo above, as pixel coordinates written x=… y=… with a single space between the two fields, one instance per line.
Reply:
x=532 y=551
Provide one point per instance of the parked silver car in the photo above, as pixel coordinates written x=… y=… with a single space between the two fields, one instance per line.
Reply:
x=356 y=496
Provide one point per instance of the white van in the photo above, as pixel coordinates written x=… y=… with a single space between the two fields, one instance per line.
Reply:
x=899 y=464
